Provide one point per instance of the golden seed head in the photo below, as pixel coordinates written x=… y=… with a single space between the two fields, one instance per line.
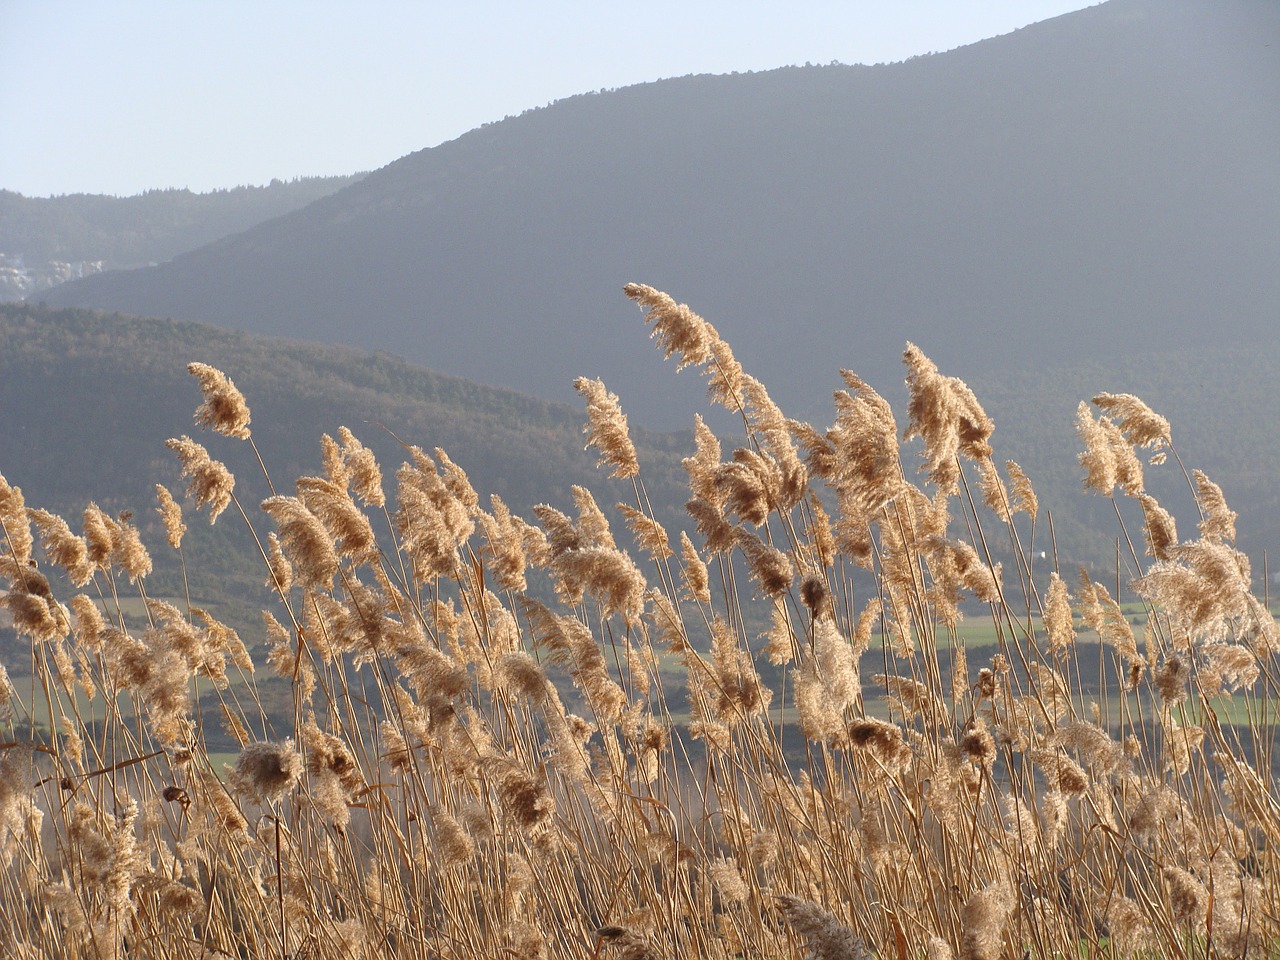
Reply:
x=224 y=409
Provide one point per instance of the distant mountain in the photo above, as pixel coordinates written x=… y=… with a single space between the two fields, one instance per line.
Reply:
x=49 y=240
x=1088 y=187
x=1222 y=403
x=88 y=399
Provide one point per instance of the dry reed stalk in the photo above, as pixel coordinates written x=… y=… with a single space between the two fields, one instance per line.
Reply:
x=456 y=765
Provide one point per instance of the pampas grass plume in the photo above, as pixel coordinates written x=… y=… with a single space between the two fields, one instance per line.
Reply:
x=224 y=409
x=606 y=428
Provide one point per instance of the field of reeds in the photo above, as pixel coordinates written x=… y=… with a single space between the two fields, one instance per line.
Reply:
x=486 y=754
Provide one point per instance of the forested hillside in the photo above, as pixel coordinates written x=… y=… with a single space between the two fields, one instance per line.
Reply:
x=1089 y=188
x=87 y=401
x=1223 y=406
x=46 y=239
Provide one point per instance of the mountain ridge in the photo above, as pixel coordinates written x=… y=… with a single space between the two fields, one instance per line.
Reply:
x=89 y=397
x=45 y=239
x=1082 y=186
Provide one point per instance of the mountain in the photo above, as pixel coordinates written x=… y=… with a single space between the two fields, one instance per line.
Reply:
x=48 y=240
x=87 y=400
x=1092 y=186
x=1222 y=404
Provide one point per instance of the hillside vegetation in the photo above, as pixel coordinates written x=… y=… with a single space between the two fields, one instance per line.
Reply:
x=1224 y=406
x=82 y=388
x=1094 y=186
x=48 y=235
x=89 y=398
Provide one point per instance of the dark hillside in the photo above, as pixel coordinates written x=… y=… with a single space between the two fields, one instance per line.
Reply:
x=87 y=401
x=1085 y=189
x=43 y=240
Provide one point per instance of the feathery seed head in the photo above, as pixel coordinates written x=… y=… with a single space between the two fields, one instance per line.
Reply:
x=696 y=575
x=1159 y=528
x=346 y=524
x=63 y=547
x=1171 y=681
x=363 y=471
x=718 y=533
x=100 y=534
x=30 y=602
x=208 y=480
x=224 y=409
x=523 y=797
x=649 y=534
x=1141 y=425
x=593 y=525
x=518 y=672
x=17 y=781
x=994 y=493
x=1058 y=622
x=883 y=740
x=453 y=843
x=171 y=515
x=267 y=771
x=774 y=433
x=608 y=575
x=1108 y=458
x=1024 y=495
x=728 y=880
x=984 y=917
x=724 y=374
x=304 y=539
x=944 y=412
x=978 y=743
x=506 y=536
x=770 y=567
x=676 y=328
x=702 y=466
x=1219 y=523
x=15 y=528
x=824 y=936
x=606 y=428
x=816 y=596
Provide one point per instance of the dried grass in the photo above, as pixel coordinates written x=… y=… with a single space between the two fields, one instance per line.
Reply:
x=678 y=757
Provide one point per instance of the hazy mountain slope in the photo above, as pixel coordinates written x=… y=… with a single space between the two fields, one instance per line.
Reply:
x=89 y=232
x=1085 y=187
x=87 y=401
x=1222 y=404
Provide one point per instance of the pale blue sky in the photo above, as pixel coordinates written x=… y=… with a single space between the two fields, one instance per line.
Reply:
x=118 y=96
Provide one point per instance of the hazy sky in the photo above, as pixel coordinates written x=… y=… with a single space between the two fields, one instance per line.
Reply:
x=118 y=96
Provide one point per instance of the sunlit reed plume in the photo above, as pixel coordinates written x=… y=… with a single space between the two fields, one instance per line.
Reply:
x=210 y=483
x=481 y=736
x=606 y=428
x=224 y=409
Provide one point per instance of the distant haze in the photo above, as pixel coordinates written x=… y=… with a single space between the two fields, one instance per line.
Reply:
x=124 y=97
x=1101 y=184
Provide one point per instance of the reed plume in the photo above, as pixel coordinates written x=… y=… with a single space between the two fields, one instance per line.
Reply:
x=606 y=428
x=16 y=528
x=845 y=711
x=224 y=409
x=210 y=483
x=944 y=412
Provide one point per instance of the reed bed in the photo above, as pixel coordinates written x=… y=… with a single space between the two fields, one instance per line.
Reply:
x=486 y=754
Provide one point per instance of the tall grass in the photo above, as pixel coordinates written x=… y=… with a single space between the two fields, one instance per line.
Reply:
x=516 y=738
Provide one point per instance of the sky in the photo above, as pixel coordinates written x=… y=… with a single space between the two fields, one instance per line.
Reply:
x=121 y=96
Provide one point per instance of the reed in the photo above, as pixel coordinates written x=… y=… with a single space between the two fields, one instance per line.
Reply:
x=554 y=738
